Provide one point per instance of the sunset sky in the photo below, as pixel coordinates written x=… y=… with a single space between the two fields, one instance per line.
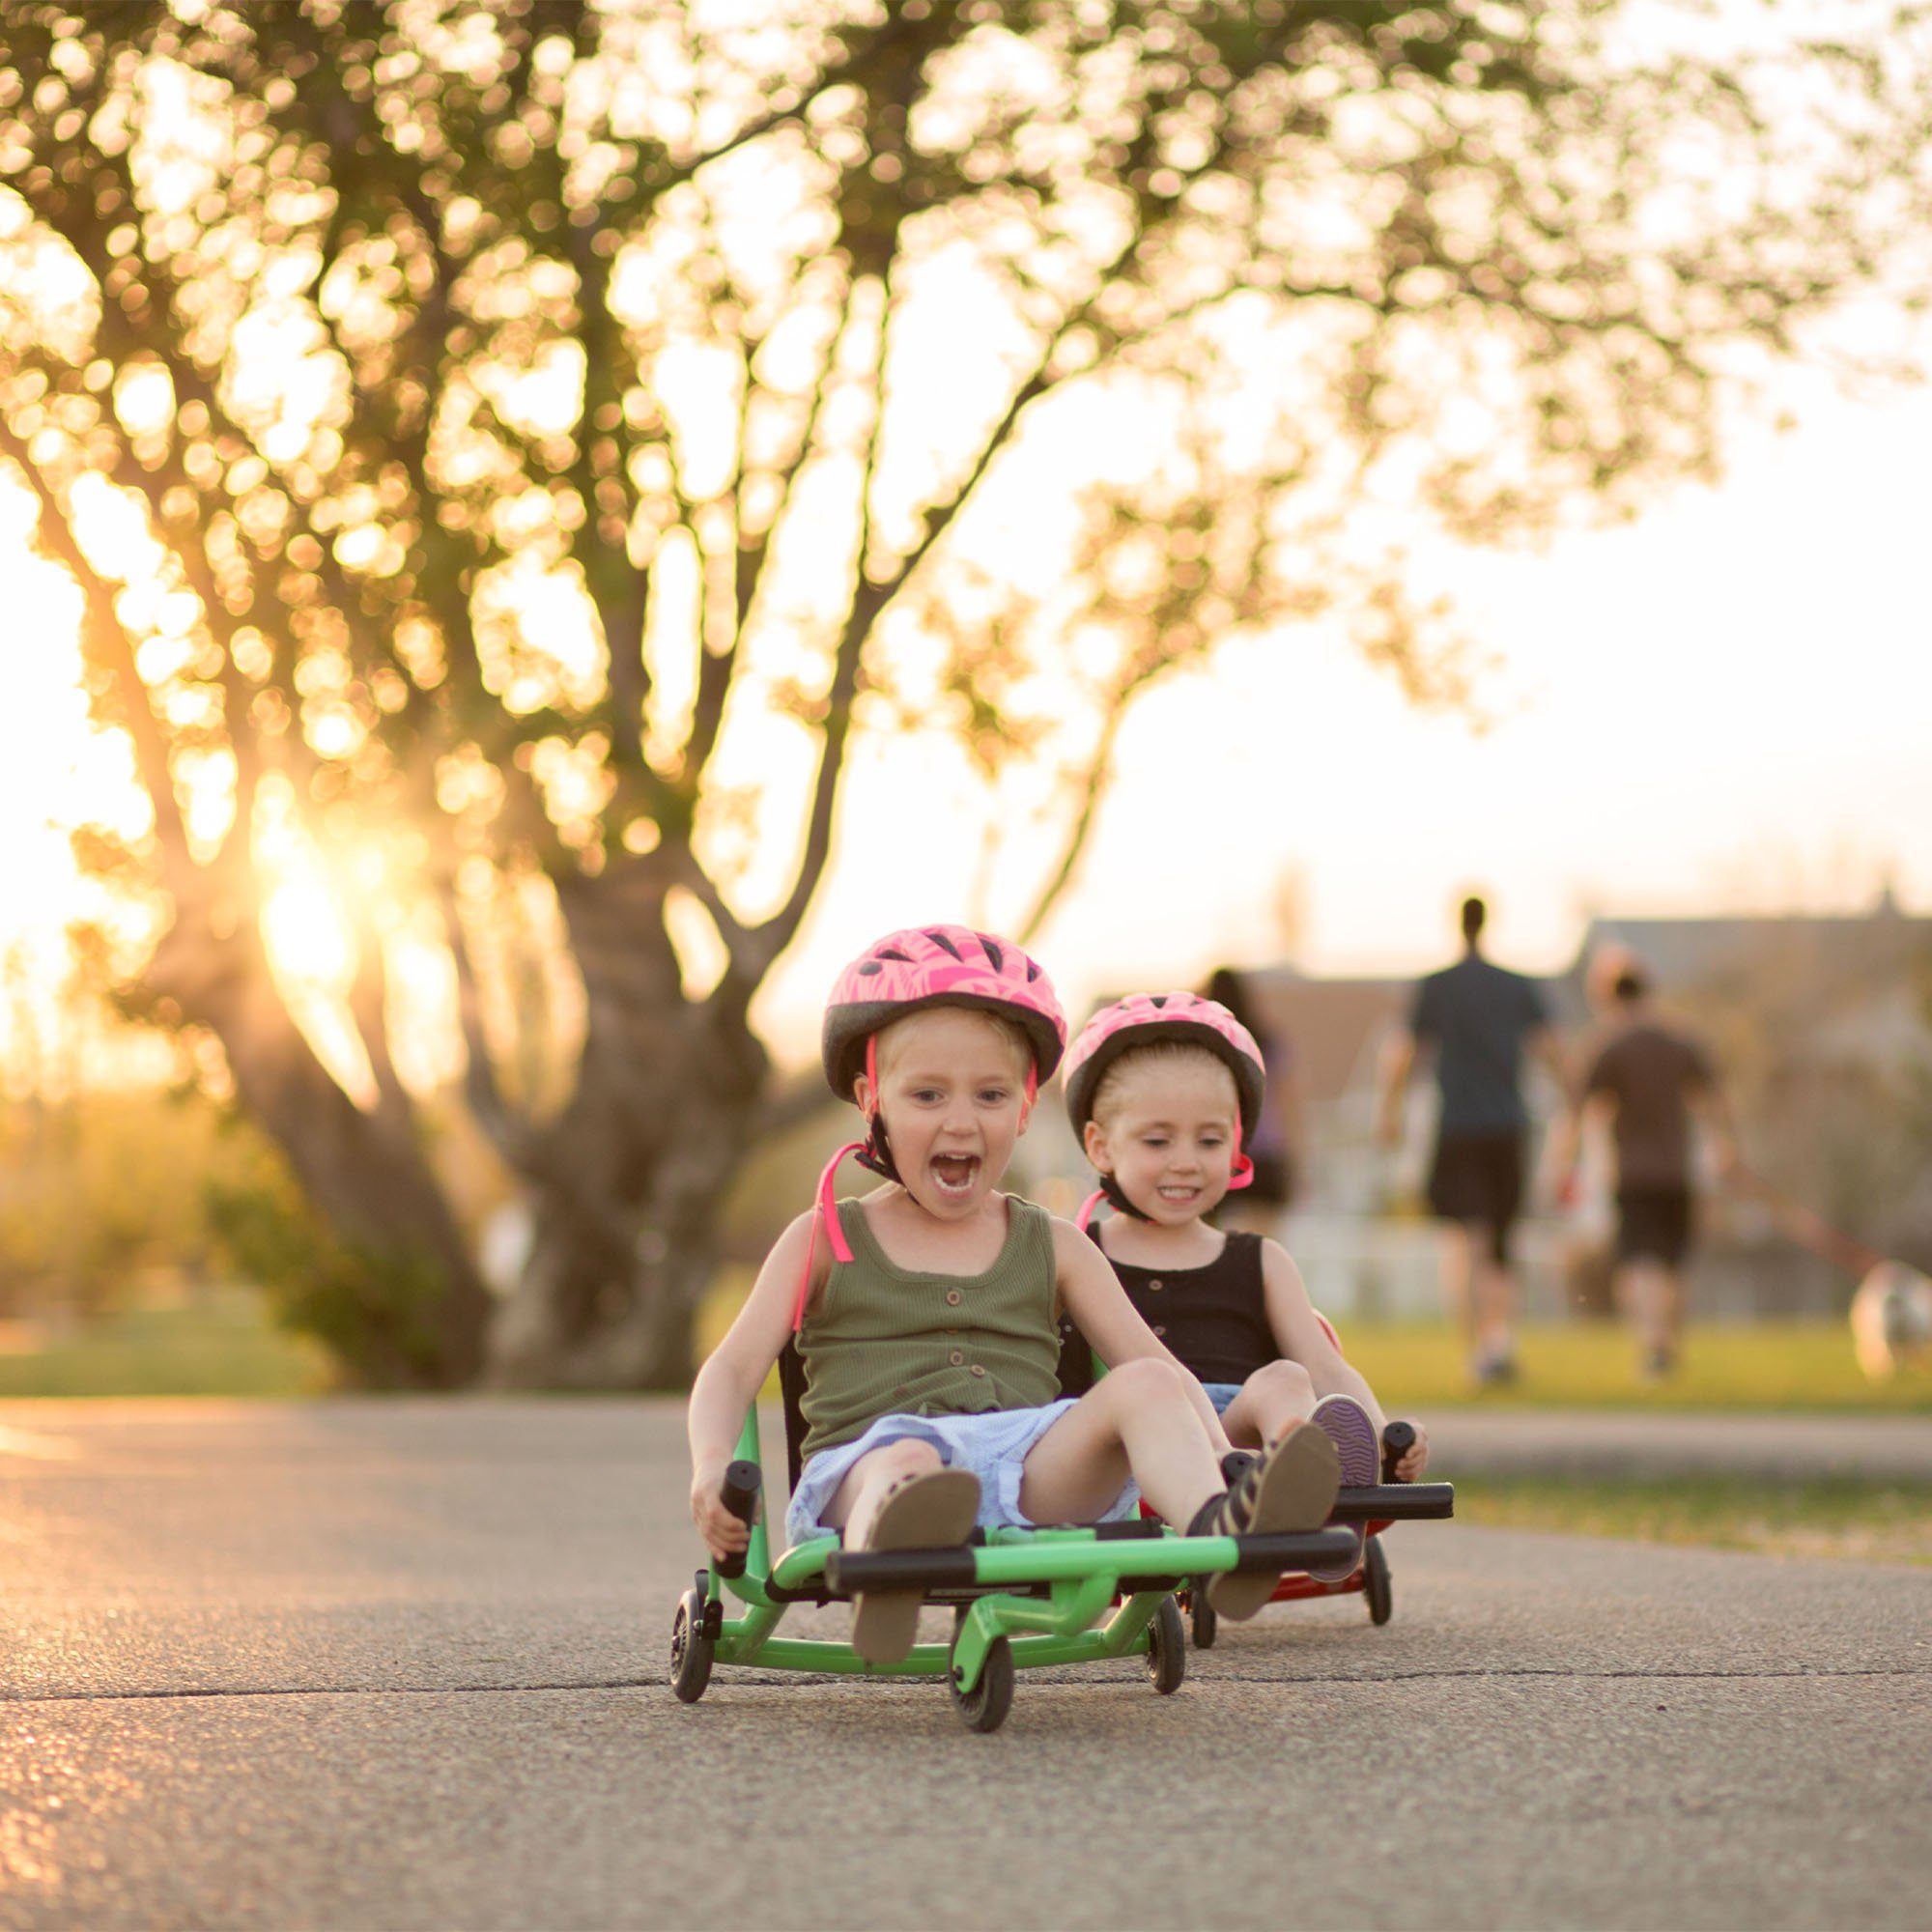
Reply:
x=1726 y=705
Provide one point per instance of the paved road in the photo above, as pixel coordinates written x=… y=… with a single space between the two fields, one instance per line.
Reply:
x=401 y=1665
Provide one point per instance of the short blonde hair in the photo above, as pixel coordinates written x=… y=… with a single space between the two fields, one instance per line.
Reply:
x=1109 y=1094
x=891 y=1037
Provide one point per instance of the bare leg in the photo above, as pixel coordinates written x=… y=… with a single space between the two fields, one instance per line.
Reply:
x=1459 y=1261
x=1652 y=1296
x=855 y=1503
x=1493 y=1298
x=1271 y=1401
x=1138 y=1420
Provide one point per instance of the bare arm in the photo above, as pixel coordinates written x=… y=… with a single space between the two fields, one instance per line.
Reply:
x=729 y=1381
x=1098 y=1304
x=1714 y=1114
x=1545 y=1045
x=1398 y=1064
x=1299 y=1335
x=1581 y=1116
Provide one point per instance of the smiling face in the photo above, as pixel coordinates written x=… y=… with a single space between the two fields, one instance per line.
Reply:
x=1163 y=1127
x=952 y=1093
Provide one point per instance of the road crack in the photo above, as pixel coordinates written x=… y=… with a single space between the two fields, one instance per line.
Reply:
x=802 y=1680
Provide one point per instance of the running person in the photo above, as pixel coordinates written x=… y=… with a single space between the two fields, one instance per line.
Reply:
x=1646 y=1083
x=1478 y=1018
x=926 y=1321
x=1163 y=1089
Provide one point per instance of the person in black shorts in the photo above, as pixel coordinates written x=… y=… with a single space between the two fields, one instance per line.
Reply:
x=1477 y=1018
x=1645 y=1083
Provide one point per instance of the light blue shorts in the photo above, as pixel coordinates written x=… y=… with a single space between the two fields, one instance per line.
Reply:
x=992 y=1445
x=1221 y=1393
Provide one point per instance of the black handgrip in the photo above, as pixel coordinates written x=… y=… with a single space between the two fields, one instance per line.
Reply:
x=740 y=1495
x=1398 y=1440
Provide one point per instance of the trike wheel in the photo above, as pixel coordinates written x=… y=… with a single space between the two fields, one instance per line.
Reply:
x=1167 y=1648
x=691 y=1649
x=985 y=1707
x=1201 y=1613
x=1380 y=1592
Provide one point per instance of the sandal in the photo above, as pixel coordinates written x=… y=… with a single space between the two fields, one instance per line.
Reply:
x=1347 y=1424
x=926 y=1512
x=1291 y=1486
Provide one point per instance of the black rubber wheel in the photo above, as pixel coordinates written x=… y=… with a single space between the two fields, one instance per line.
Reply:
x=1379 y=1592
x=1167 y=1648
x=691 y=1649
x=985 y=1706
x=1201 y=1613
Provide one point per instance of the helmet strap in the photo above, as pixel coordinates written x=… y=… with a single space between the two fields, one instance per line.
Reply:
x=826 y=1213
x=1243 y=1174
x=1117 y=1198
x=874 y=1151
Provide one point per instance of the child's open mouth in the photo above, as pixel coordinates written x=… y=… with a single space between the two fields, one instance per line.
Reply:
x=1180 y=1196
x=955 y=1173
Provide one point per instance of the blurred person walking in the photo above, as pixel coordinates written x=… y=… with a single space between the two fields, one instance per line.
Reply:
x=1277 y=1144
x=1645 y=1084
x=1477 y=1018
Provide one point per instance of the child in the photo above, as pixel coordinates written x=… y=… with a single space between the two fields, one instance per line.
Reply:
x=1162 y=1089
x=928 y=1329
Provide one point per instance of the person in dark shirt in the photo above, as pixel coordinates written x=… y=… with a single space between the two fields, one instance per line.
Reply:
x=1478 y=1019
x=1276 y=1146
x=1646 y=1084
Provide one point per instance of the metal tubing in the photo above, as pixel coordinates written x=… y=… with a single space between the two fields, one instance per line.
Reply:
x=926 y=1660
x=1394 y=1502
x=1047 y=1563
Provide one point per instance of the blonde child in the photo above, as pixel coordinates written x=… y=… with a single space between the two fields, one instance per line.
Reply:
x=926 y=1321
x=1162 y=1089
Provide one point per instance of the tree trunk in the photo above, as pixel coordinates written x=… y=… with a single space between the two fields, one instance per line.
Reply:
x=625 y=1239
x=363 y=1172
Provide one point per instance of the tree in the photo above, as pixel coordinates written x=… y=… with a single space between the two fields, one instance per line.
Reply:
x=514 y=448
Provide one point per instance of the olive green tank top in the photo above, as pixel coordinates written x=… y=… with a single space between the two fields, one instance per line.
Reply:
x=883 y=1340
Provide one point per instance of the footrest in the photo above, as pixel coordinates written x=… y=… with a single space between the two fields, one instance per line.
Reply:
x=1290 y=1549
x=848 y=1571
x=1394 y=1502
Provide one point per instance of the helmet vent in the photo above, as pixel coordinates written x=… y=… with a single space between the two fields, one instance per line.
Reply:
x=944 y=940
x=1032 y=971
x=892 y=953
x=1156 y=999
x=870 y=966
x=993 y=952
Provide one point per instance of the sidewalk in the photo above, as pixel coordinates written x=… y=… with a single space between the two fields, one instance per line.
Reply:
x=1619 y=1443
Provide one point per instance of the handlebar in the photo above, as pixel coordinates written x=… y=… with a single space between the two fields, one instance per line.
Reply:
x=1398 y=1440
x=739 y=1493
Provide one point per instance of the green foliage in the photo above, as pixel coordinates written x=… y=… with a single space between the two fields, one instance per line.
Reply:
x=373 y=1309
x=549 y=433
x=98 y=1190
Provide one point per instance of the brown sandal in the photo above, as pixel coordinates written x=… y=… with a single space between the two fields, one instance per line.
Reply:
x=1290 y=1487
x=925 y=1512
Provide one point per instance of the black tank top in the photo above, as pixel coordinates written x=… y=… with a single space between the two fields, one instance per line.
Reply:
x=1215 y=1317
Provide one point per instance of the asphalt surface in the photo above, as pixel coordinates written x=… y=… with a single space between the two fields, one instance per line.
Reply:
x=402 y=1664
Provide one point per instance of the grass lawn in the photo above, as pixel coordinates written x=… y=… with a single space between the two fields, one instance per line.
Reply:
x=1774 y=1365
x=218 y=1345
x=1844 y=1517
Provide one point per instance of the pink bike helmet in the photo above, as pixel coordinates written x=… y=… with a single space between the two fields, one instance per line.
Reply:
x=1140 y=1019
x=900 y=974
x=938 y=966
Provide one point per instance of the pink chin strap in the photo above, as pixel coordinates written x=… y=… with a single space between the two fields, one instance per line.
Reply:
x=827 y=1210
